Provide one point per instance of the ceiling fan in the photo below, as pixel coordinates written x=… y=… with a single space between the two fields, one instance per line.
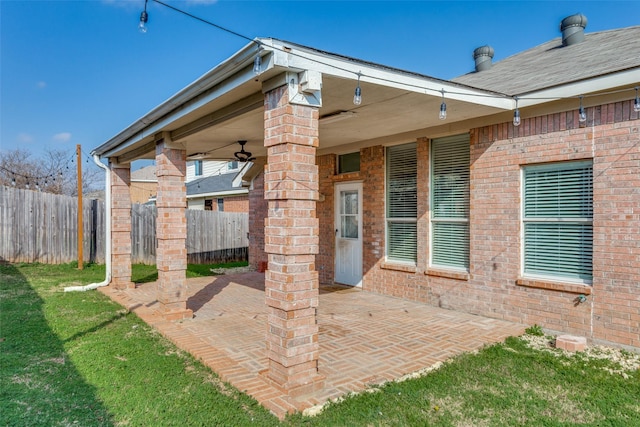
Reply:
x=243 y=156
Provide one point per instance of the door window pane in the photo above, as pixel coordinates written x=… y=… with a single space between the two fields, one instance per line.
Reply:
x=349 y=214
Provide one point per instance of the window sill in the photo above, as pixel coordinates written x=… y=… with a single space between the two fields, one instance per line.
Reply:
x=574 y=288
x=407 y=268
x=457 y=275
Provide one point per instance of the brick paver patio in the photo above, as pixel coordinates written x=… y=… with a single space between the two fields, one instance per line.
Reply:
x=364 y=338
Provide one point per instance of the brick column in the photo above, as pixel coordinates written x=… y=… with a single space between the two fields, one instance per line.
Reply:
x=291 y=242
x=120 y=225
x=171 y=228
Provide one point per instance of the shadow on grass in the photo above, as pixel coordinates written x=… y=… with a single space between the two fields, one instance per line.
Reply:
x=96 y=328
x=39 y=385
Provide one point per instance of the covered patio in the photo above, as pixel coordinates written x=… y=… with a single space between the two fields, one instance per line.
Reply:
x=364 y=338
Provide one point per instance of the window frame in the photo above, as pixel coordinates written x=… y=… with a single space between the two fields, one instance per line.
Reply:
x=560 y=220
x=391 y=254
x=437 y=222
x=344 y=161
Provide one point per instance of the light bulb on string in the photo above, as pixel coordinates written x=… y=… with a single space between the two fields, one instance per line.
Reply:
x=144 y=18
x=516 y=115
x=582 y=116
x=257 y=63
x=443 y=108
x=357 y=96
x=13 y=181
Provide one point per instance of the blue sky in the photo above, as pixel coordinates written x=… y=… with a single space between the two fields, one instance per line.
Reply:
x=78 y=72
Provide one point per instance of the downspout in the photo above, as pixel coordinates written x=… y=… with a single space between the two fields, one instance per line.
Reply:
x=107 y=250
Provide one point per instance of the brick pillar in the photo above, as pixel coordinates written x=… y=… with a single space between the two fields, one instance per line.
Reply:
x=120 y=226
x=291 y=243
x=171 y=229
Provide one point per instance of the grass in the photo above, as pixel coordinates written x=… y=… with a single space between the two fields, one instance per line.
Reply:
x=80 y=359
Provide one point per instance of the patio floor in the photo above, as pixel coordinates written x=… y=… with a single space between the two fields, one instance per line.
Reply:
x=365 y=338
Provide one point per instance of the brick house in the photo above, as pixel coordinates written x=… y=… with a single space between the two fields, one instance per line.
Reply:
x=211 y=185
x=510 y=192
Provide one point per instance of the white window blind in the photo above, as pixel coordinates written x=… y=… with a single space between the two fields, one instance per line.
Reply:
x=558 y=220
x=450 y=158
x=402 y=203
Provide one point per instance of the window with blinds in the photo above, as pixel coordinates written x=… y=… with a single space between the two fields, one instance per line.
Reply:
x=402 y=203
x=450 y=159
x=558 y=220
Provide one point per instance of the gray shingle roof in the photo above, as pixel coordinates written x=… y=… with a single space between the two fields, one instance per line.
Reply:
x=212 y=184
x=147 y=173
x=552 y=64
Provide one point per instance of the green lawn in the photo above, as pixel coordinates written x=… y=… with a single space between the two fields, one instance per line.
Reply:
x=80 y=359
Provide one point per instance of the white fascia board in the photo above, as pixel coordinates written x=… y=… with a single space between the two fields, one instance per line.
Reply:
x=584 y=87
x=222 y=79
x=237 y=180
x=297 y=59
x=238 y=192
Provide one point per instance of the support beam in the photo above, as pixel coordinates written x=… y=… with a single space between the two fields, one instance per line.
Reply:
x=291 y=243
x=138 y=153
x=171 y=229
x=229 y=112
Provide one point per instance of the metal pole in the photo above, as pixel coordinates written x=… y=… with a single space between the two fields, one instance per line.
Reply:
x=80 y=221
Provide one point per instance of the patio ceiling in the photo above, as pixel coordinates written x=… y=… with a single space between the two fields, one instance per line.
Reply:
x=226 y=105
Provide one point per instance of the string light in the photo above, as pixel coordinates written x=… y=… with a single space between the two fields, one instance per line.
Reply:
x=144 y=18
x=582 y=116
x=357 y=99
x=36 y=181
x=443 y=108
x=257 y=63
x=357 y=96
x=516 y=114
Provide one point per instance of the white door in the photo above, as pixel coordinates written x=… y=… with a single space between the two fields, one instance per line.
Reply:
x=348 y=229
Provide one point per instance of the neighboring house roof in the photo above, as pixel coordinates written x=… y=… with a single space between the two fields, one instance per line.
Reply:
x=145 y=174
x=552 y=64
x=217 y=185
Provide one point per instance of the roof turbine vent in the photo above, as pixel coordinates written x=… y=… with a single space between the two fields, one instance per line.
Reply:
x=483 y=56
x=572 y=28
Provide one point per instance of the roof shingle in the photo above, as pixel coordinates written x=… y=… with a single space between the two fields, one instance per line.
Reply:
x=552 y=64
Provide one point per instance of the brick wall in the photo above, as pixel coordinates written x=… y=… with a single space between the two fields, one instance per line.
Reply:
x=494 y=286
x=324 y=210
x=258 y=207
x=235 y=204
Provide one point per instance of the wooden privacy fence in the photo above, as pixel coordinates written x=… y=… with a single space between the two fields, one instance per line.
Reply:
x=43 y=227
